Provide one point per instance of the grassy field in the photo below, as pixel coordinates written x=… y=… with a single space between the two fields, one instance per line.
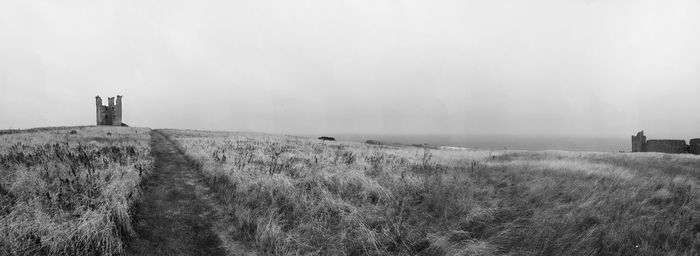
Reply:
x=69 y=191
x=289 y=195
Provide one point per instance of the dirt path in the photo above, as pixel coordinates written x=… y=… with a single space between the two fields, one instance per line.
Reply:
x=176 y=216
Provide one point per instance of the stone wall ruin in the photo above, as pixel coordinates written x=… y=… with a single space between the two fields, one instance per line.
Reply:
x=641 y=144
x=666 y=146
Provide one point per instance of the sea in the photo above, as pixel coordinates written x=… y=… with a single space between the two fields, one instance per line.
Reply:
x=501 y=142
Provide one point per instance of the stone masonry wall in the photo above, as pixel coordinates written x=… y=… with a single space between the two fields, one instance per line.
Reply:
x=666 y=146
x=695 y=146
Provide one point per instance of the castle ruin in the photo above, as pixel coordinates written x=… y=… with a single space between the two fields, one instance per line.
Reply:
x=110 y=114
x=641 y=144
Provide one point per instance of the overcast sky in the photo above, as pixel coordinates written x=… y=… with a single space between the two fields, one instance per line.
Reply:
x=579 y=67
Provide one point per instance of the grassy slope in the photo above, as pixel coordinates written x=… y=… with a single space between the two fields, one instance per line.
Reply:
x=290 y=195
x=70 y=194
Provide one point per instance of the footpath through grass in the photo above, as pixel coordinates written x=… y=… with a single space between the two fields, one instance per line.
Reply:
x=176 y=215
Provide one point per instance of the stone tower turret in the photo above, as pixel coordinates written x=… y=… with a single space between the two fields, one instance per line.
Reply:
x=99 y=110
x=118 y=112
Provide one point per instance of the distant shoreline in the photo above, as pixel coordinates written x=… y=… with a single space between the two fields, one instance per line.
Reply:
x=506 y=142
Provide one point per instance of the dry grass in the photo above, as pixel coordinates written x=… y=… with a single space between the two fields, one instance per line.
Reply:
x=288 y=195
x=70 y=193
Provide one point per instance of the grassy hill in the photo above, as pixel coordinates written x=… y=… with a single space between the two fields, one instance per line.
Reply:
x=294 y=195
x=70 y=190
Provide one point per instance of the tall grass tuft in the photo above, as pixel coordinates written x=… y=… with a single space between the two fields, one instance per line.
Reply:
x=70 y=191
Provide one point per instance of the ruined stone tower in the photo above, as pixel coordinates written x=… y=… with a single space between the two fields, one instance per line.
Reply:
x=110 y=114
x=638 y=142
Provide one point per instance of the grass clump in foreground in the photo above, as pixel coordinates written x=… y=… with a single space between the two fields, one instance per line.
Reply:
x=289 y=195
x=69 y=191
